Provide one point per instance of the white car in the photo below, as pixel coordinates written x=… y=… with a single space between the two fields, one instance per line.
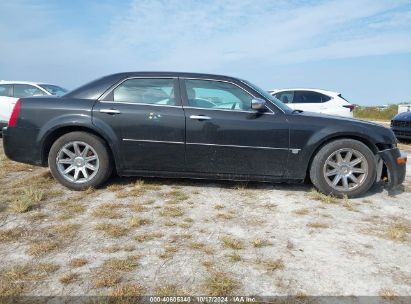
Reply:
x=315 y=100
x=11 y=91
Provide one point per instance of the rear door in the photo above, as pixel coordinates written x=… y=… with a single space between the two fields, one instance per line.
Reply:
x=7 y=102
x=146 y=116
x=223 y=134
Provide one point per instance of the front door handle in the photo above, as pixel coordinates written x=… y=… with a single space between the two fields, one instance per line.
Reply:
x=200 y=117
x=110 y=111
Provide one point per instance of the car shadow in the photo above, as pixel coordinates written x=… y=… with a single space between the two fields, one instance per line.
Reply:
x=306 y=186
x=206 y=183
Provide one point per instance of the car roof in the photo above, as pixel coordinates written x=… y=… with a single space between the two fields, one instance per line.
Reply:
x=305 y=89
x=95 y=88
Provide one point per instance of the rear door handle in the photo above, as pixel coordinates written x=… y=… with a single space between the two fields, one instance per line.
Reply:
x=200 y=117
x=110 y=111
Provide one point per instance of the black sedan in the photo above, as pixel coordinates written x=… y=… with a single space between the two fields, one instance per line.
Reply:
x=401 y=125
x=196 y=126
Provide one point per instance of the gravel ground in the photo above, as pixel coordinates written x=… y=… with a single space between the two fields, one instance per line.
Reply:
x=155 y=236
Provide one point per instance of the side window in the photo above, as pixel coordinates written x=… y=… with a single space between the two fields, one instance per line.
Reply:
x=285 y=97
x=310 y=97
x=210 y=94
x=6 y=90
x=25 y=90
x=151 y=91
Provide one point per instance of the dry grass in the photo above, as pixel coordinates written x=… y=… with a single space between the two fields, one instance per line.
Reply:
x=175 y=196
x=220 y=284
x=169 y=252
x=397 y=232
x=13 y=280
x=36 y=216
x=78 y=262
x=108 y=211
x=64 y=230
x=258 y=243
x=71 y=208
x=232 y=243
x=225 y=216
x=387 y=294
x=318 y=225
x=30 y=197
x=117 y=248
x=127 y=290
x=326 y=199
x=234 y=257
x=172 y=211
x=138 y=207
x=115 y=187
x=106 y=279
x=126 y=264
x=168 y=290
x=40 y=248
x=302 y=211
x=68 y=278
x=136 y=221
x=29 y=272
x=219 y=207
x=272 y=265
x=11 y=235
x=112 y=230
x=148 y=236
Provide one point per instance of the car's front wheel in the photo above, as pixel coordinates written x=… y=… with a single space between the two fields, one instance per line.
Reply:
x=343 y=167
x=80 y=160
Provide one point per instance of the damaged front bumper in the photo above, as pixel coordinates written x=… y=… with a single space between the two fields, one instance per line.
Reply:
x=391 y=168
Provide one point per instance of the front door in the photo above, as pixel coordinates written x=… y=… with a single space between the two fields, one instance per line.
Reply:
x=147 y=119
x=224 y=136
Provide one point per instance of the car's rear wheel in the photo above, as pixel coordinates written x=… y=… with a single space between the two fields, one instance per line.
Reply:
x=343 y=167
x=80 y=160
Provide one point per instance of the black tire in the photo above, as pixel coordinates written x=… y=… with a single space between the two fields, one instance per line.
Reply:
x=105 y=167
x=318 y=168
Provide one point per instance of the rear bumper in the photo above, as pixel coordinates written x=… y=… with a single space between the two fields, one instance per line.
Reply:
x=395 y=162
x=20 y=145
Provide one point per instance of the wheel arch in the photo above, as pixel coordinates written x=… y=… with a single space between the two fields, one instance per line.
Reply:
x=51 y=137
x=373 y=147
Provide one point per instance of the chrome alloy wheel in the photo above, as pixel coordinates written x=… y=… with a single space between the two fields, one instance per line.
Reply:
x=77 y=162
x=345 y=169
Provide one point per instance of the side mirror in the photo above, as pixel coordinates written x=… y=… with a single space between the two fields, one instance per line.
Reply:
x=257 y=104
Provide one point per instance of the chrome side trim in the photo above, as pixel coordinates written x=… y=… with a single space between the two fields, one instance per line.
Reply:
x=233 y=111
x=140 y=104
x=237 y=146
x=207 y=144
x=155 y=141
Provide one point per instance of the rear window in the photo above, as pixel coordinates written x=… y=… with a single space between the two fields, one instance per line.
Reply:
x=26 y=90
x=6 y=90
x=53 y=89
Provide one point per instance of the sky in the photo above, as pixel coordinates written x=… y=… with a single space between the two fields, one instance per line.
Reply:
x=361 y=48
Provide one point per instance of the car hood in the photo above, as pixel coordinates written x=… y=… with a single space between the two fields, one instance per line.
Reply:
x=403 y=116
x=341 y=119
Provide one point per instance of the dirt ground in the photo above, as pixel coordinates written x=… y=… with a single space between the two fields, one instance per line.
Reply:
x=164 y=237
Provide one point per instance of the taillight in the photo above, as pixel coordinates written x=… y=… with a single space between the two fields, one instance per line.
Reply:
x=15 y=114
x=351 y=107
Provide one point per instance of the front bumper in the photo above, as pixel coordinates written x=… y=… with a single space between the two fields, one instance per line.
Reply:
x=403 y=133
x=395 y=162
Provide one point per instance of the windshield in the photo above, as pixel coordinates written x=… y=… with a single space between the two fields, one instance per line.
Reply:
x=271 y=98
x=53 y=89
